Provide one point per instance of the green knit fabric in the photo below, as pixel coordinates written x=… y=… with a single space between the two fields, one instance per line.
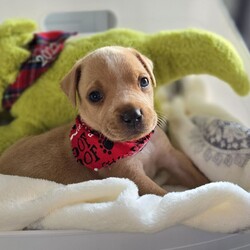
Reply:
x=175 y=54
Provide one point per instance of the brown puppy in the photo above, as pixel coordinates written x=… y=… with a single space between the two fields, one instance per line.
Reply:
x=113 y=89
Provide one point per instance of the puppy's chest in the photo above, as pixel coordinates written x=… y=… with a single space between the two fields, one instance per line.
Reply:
x=148 y=157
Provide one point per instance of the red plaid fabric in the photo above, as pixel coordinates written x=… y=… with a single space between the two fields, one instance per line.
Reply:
x=45 y=48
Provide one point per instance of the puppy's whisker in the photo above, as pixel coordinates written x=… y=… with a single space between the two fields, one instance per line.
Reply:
x=162 y=120
x=162 y=123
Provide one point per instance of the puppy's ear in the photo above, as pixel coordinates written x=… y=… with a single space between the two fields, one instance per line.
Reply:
x=69 y=83
x=147 y=64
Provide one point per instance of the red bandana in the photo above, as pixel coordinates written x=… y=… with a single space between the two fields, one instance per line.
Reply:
x=95 y=151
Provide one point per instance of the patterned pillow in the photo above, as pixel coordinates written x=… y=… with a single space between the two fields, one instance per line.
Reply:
x=220 y=149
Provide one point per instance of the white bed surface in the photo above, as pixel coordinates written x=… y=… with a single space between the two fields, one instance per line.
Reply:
x=178 y=237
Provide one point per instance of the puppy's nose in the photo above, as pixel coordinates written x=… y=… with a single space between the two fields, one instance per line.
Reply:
x=132 y=117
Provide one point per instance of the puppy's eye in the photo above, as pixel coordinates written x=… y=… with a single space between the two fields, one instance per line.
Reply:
x=144 y=82
x=95 y=96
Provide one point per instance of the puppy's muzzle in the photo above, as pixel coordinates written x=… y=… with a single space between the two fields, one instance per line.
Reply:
x=132 y=118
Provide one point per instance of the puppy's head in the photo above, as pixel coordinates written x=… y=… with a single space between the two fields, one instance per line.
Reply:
x=113 y=88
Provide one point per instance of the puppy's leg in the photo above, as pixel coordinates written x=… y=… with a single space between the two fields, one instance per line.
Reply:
x=134 y=171
x=147 y=186
x=178 y=165
x=182 y=169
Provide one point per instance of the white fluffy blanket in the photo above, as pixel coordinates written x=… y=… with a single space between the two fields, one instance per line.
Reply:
x=114 y=205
